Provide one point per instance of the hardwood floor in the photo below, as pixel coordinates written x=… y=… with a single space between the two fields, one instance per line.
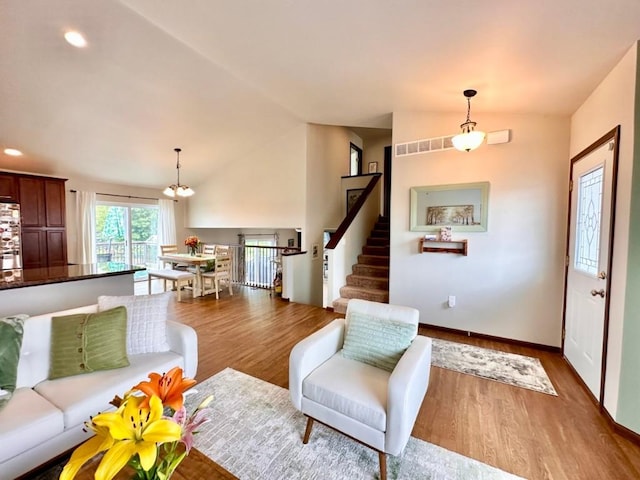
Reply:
x=534 y=435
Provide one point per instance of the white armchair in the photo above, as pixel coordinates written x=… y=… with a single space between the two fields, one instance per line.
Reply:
x=372 y=405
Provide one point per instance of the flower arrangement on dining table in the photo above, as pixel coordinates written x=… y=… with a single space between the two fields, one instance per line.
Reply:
x=150 y=430
x=192 y=242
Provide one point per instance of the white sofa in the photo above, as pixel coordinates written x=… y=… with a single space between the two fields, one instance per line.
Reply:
x=46 y=417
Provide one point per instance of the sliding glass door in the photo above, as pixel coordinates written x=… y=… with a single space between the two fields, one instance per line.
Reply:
x=127 y=233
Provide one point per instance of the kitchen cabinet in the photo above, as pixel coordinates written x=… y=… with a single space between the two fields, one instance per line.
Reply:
x=43 y=218
x=31 y=194
x=8 y=188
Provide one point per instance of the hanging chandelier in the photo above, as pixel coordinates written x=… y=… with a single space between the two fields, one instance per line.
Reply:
x=176 y=189
x=470 y=138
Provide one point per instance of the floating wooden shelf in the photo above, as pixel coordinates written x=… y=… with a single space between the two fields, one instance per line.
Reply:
x=436 y=246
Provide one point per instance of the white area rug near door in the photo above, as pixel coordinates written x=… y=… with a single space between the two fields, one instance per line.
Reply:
x=509 y=368
x=255 y=433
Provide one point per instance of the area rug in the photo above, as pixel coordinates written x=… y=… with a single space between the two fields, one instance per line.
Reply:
x=510 y=368
x=256 y=433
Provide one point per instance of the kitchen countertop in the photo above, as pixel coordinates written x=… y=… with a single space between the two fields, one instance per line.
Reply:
x=28 y=277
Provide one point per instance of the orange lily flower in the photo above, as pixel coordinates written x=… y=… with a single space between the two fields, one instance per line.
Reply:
x=169 y=387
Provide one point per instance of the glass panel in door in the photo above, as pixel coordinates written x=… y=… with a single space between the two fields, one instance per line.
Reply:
x=127 y=234
x=588 y=222
x=111 y=233
x=144 y=236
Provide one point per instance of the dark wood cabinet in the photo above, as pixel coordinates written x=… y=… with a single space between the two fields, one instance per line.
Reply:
x=34 y=247
x=54 y=202
x=56 y=248
x=43 y=218
x=32 y=207
x=44 y=247
x=8 y=188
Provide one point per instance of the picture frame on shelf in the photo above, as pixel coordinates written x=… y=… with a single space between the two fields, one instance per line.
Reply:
x=463 y=207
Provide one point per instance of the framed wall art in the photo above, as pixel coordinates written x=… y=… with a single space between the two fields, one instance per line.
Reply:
x=352 y=197
x=463 y=207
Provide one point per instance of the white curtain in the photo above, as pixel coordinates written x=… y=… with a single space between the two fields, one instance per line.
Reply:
x=166 y=223
x=86 y=227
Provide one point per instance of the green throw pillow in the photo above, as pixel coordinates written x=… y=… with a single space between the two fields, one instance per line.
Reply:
x=377 y=341
x=84 y=343
x=11 y=331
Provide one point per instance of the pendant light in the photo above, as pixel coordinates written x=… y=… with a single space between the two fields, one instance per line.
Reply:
x=470 y=138
x=177 y=189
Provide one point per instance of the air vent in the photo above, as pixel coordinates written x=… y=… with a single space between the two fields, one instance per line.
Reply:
x=426 y=145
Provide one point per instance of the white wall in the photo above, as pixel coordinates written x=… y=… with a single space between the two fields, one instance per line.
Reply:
x=230 y=235
x=373 y=151
x=611 y=104
x=511 y=283
x=265 y=189
x=327 y=160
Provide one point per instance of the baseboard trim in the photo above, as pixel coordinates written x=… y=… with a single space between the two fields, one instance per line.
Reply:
x=584 y=386
x=466 y=333
x=621 y=429
x=615 y=426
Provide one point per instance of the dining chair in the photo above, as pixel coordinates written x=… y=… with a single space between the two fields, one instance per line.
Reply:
x=209 y=249
x=222 y=271
x=167 y=250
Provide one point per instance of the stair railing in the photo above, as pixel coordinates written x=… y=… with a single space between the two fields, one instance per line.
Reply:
x=346 y=243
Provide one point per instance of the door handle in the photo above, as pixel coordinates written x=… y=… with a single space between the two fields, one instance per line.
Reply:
x=597 y=292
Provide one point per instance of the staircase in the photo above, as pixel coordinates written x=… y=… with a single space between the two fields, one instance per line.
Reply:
x=370 y=277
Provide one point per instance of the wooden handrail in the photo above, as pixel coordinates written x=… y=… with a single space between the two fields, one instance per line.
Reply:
x=351 y=214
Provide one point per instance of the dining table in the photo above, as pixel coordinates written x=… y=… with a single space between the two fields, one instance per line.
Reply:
x=197 y=261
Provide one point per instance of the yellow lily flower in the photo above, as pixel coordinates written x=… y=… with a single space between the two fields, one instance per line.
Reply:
x=101 y=442
x=135 y=430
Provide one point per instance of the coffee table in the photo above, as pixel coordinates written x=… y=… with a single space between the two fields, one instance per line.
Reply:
x=195 y=465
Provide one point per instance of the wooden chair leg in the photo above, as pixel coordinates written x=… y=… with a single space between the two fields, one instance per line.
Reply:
x=307 y=431
x=383 y=465
x=149 y=282
x=217 y=283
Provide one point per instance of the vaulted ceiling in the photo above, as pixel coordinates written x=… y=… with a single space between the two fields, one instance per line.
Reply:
x=221 y=79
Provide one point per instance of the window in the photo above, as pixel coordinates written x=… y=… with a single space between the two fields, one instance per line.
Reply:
x=260 y=260
x=355 y=165
x=127 y=234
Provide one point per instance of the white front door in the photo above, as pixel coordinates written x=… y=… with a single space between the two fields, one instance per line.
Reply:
x=590 y=229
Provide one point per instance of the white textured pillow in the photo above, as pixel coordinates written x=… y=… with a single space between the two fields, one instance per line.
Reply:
x=146 y=320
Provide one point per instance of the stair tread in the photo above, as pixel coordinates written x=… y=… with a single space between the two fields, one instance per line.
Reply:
x=358 y=275
x=365 y=289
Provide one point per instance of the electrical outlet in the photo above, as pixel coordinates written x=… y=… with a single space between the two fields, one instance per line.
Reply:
x=452 y=301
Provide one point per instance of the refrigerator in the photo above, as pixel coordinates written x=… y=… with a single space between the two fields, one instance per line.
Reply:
x=10 y=239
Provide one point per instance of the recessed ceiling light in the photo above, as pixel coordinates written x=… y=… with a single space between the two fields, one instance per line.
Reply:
x=13 y=152
x=75 y=38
